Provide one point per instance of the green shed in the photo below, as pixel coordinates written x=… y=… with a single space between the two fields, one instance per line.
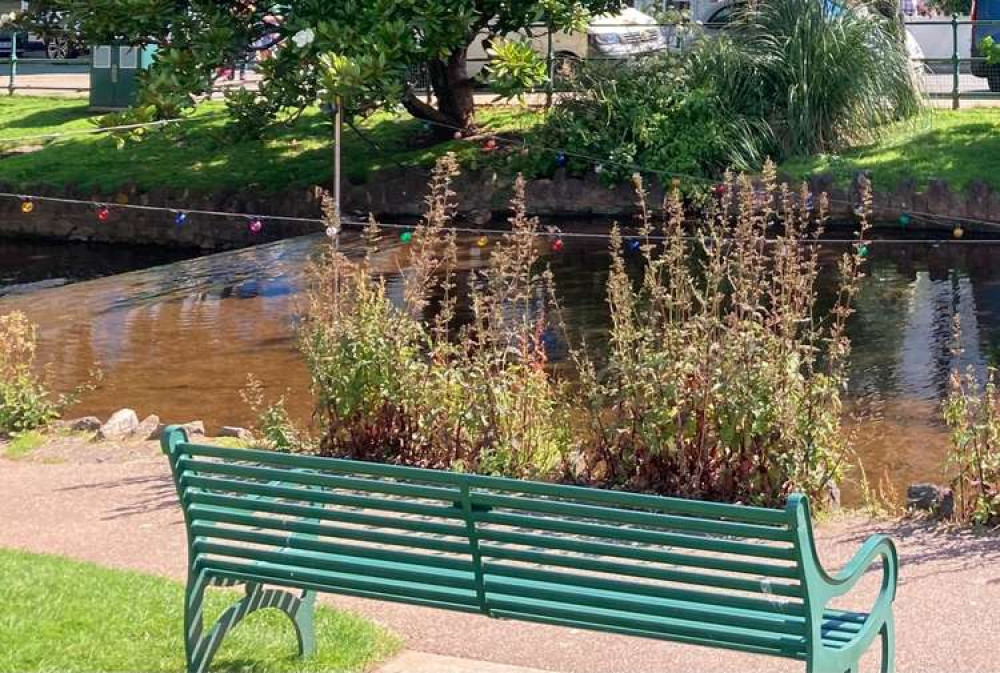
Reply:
x=114 y=74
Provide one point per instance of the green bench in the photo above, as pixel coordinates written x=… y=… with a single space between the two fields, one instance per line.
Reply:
x=728 y=576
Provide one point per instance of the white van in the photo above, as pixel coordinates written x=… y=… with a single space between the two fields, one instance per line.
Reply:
x=609 y=36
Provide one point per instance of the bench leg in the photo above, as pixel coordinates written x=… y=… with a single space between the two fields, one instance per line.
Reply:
x=888 y=634
x=200 y=648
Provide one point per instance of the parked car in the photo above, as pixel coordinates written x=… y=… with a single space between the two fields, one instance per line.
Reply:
x=58 y=40
x=611 y=36
x=985 y=10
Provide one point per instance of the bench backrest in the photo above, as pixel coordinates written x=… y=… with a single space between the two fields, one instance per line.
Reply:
x=630 y=563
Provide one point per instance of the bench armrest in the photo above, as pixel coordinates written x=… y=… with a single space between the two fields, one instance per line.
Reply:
x=876 y=547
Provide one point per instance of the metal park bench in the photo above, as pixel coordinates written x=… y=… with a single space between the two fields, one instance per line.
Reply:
x=727 y=576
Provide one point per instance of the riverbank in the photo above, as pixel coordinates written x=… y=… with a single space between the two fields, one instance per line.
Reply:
x=943 y=168
x=121 y=512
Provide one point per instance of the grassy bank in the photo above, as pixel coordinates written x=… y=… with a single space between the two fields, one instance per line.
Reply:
x=198 y=154
x=958 y=146
x=63 y=615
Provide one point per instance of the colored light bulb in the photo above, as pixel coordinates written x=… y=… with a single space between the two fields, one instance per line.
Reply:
x=27 y=206
x=958 y=232
x=561 y=159
x=482 y=241
x=406 y=236
x=104 y=213
x=634 y=245
x=256 y=225
x=180 y=218
x=863 y=251
x=557 y=245
x=904 y=219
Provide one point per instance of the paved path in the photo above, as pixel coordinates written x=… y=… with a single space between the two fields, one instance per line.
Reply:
x=124 y=515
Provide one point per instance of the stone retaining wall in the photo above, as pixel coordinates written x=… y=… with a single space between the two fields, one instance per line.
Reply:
x=398 y=195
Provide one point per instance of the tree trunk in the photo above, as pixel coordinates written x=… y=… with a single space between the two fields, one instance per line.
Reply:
x=453 y=89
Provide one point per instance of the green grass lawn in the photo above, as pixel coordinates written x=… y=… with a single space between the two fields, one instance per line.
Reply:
x=198 y=155
x=957 y=146
x=63 y=615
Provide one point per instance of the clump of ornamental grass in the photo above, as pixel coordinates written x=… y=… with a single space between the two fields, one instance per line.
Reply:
x=398 y=379
x=972 y=413
x=723 y=378
x=25 y=401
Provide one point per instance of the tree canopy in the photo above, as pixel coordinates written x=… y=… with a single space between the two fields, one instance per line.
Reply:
x=360 y=50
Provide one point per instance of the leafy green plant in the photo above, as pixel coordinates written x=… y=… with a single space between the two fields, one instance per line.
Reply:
x=972 y=413
x=397 y=379
x=25 y=402
x=990 y=50
x=723 y=377
x=274 y=426
x=819 y=79
x=646 y=112
x=515 y=68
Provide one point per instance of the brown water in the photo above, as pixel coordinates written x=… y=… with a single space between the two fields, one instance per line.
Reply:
x=179 y=340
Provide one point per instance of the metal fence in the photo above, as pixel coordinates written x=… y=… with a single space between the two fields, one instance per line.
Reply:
x=947 y=67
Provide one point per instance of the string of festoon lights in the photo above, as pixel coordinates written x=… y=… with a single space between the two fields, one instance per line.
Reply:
x=490 y=142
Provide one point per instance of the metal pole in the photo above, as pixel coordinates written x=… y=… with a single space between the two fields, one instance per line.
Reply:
x=550 y=61
x=13 y=64
x=337 y=133
x=955 y=102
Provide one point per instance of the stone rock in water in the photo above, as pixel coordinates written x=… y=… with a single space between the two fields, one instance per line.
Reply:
x=241 y=434
x=122 y=424
x=149 y=428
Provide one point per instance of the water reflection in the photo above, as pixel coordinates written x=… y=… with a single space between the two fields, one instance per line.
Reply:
x=179 y=340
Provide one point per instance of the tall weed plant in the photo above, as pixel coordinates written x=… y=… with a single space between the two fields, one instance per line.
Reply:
x=722 y=380
x=25 y=401
x=972 y=412
x=399 y=380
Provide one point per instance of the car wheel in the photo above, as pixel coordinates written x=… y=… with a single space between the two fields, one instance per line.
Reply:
x=57 y=49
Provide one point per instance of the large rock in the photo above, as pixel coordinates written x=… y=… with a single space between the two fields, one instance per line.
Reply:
x=931 y=499
x=194 y=428
x=123 y=423
x=149 y=428
x=241 y=434
x=85 y=424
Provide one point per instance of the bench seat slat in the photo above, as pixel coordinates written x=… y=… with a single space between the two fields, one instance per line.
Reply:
x=787 y=606
x=790 y=645
x=315 y=496
x=629 y=570
x=589 y=547
x=313 y=478
x=624 y=516
x=709 y=612
x=295 y=560
x=199 y=498
x=201 y=513
x=358 y=585
x=293 y=541
x=698 y=508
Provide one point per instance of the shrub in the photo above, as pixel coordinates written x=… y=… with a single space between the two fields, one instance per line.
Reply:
x=395 y=377
x=972 y=413
x=25 y=403
x=645 y=112
x=788 y=77
x=820 y=78
x=723 y=377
